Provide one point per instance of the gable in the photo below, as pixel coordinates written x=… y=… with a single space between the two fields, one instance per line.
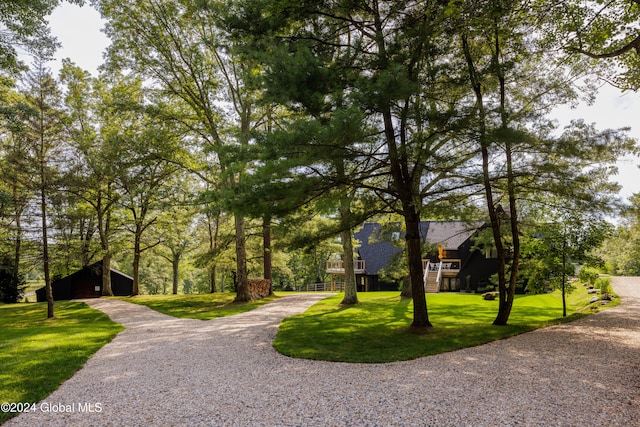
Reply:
x=450 y=234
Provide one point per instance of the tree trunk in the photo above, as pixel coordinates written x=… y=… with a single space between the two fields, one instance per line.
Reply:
x=136 y=262
x=18 y=242
x=212 y=278
x=213 y=226
x=106 y=275
x=404 y=185
x=45 y=248
x=136 y=274
x=17 y=217
x=507 y=294
x=242 y=288
x=506 y=298
x=176 y=272
x=564 y=273
x=266 y=247
x=350 y=290
x=414 y=258
x=85 y=236
x=104 y=225
x=504 y=307
x=405 y=292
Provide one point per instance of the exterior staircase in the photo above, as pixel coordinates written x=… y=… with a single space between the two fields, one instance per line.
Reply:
x=431 y=277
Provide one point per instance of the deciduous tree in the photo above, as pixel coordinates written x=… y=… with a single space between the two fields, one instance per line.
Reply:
x=177 y=45
x=93 y=170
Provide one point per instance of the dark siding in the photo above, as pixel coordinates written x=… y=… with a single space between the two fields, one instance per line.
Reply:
x=61 y=291
x=375 y=284
x=87 y=283
x=477 y=270
x=121 y=285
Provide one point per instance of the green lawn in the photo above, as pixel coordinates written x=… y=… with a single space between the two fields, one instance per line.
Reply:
x=196 y=306
x=376 y=329
x=37 y=355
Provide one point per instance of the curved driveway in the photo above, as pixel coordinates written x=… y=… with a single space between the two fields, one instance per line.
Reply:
x=163 y=371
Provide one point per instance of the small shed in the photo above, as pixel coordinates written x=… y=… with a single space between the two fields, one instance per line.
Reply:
x=87 y=283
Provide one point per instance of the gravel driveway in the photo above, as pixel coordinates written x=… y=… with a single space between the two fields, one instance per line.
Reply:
x=163 y=371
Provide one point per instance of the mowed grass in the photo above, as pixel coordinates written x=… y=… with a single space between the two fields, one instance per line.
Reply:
x=197 y=306
x=377 y=329
x=37 y=355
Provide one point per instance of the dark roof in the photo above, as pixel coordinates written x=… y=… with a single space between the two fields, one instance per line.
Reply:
x=95 y=268
x=375 y=251
x=450 y=234
x=378 y=251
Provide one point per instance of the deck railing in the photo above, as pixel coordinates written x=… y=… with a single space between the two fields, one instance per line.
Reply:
x=324 y=287
x=445 y=266
x=336 y=266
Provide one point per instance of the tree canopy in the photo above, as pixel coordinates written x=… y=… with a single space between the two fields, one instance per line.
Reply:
x=228 y=139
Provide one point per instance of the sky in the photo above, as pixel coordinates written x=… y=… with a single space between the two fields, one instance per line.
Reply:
x=78 y=30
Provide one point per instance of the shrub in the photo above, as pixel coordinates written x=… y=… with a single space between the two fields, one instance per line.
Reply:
x=489 y=296
x=604 y=284
x=588 y=275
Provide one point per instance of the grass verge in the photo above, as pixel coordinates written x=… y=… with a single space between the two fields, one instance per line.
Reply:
x=197 y=306
x=37 y=355
x=376 y=329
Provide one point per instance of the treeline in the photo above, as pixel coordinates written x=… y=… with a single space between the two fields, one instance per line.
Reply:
x=621 y=251
x=223 y=132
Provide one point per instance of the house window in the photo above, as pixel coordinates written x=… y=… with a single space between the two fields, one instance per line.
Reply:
x=96 y=288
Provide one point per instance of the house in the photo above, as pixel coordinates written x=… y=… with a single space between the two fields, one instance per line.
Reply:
x=87 y=283
x=451 y=261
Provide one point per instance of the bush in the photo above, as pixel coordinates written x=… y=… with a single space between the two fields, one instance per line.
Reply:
x=604 y=284
x=489 y=296
x=12 y=284
x=588 y=275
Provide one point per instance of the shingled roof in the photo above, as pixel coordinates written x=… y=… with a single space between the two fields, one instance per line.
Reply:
x=450 y=234
x=377 y=253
